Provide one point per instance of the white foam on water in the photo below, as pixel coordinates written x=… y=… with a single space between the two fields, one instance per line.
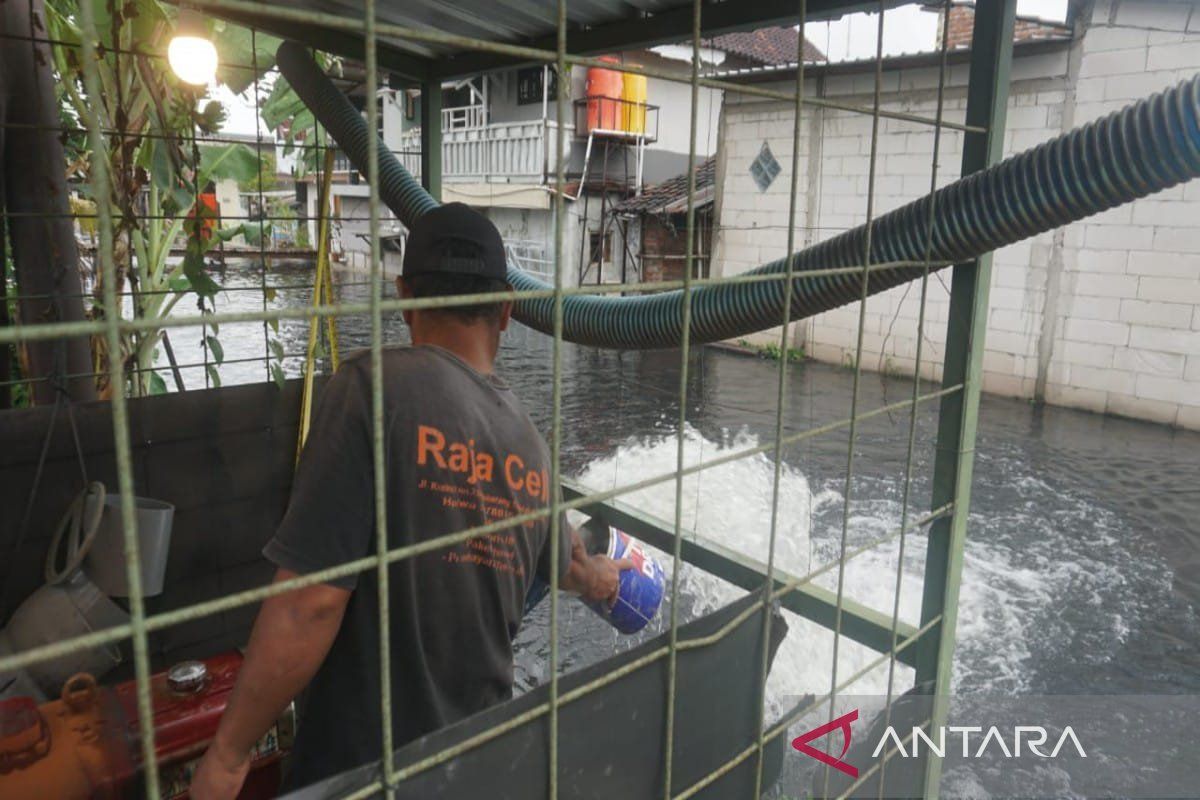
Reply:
x=1022 y=567
x=730 y=505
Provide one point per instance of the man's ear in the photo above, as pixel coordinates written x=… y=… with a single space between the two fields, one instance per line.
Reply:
x=505 y=314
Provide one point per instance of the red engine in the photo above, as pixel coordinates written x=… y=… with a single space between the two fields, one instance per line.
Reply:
x=86 y=745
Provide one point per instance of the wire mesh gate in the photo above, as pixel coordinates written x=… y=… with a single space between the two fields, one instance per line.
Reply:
x=928 y=647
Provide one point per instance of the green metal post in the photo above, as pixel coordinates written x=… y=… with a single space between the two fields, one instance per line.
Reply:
x=431 y=137
x=987 y=100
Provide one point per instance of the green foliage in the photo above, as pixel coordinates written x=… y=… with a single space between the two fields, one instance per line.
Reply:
x=157 y=166
x=302 y=237
x=20 y=391
x=285 y=113
x=277 y=352
x=74 y=138
x=252 y=231
x=215 y=348
x=228 y=162
x=244 y=56
x=269 y=171
x=19 y=396
x=283 y=106
x=772 y=352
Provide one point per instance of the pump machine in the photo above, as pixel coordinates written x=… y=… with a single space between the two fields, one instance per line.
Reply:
x=85 y=744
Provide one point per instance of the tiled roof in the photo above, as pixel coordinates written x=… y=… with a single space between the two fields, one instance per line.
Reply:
x=670 y=196
x=771 y=46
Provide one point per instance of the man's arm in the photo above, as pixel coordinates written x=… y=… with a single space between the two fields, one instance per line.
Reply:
x=291 y=637
x=595 y=578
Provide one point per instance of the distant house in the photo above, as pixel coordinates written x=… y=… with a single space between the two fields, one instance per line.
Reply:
x=1026 y=29
x=1103 y=314
x=774 y=46
x=499 y=134
x=655 y=226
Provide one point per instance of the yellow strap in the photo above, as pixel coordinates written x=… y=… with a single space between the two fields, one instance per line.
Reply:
x=322 y=294
x=335 y=355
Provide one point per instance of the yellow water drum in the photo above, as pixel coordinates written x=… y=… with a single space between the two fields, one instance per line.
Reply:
x=633 y=112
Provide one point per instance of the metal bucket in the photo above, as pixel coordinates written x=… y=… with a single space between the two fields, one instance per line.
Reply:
x=105 y=562
x=17 y=683
x=57 y=612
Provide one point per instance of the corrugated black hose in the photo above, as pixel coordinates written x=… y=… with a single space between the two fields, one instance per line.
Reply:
x=1149 y=146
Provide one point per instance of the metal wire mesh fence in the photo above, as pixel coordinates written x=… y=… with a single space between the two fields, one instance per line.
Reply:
x=120 y=322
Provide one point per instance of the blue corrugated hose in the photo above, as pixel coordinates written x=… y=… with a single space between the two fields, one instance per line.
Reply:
x=1142 y=149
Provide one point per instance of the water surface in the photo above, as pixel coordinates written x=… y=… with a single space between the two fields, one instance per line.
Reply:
x=1082 y=566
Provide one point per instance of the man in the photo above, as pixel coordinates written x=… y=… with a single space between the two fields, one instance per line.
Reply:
x=459 y=452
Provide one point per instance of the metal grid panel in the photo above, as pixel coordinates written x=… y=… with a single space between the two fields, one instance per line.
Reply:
x=960 y=397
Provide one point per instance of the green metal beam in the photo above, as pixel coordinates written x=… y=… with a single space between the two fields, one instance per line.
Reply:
x=431 y=137
x=859 y=623
x=987 y=102
x=670 y=26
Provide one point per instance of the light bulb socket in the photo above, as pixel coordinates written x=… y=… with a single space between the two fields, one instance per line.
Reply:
x=190 y=22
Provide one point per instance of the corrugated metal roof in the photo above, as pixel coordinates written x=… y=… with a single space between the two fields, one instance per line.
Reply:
x=594 y=26
x=514 y=21
x=496 y=20
x=670 y=196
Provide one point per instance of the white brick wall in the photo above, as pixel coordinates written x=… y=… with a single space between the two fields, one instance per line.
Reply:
x=1124 y=335
x=1159 y=15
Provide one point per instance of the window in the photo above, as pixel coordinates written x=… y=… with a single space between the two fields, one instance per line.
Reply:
x=594 y=252
x=529 y=85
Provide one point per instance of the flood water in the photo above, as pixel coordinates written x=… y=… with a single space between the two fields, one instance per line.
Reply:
x=1082 y=565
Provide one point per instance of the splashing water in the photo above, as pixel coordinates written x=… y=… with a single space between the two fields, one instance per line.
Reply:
x=1007 y=598
x=730 y=505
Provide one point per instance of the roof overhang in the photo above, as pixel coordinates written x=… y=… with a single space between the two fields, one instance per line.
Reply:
x=593 y=27
x=673 y=205
x=907 y=61
x=703 y=197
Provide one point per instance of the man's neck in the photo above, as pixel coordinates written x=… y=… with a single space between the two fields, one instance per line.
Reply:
x=467 y=344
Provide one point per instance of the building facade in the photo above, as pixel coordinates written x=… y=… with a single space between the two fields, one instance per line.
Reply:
x=1101 y=315
x=499 y=153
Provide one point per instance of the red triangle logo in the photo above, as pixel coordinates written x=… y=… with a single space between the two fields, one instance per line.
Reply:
x=842 y=723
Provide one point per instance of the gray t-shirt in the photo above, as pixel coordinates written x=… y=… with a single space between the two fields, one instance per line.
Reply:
x=460 y=452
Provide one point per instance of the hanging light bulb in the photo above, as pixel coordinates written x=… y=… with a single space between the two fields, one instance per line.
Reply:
x=192 y=57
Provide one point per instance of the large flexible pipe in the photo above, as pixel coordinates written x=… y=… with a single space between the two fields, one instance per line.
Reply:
x=1142 y=149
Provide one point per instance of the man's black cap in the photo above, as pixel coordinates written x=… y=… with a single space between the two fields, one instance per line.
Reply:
x=455 y=239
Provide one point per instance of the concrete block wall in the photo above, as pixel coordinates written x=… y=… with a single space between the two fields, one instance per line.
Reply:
x=1102 y=315
x=1131 y=276
x=752 y=224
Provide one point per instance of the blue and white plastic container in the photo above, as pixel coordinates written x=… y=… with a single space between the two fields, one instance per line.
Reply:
x=641 y=591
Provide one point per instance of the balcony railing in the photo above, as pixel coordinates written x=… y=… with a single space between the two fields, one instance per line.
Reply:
x=459 y=117
x=502 y=152
x=529 y=256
